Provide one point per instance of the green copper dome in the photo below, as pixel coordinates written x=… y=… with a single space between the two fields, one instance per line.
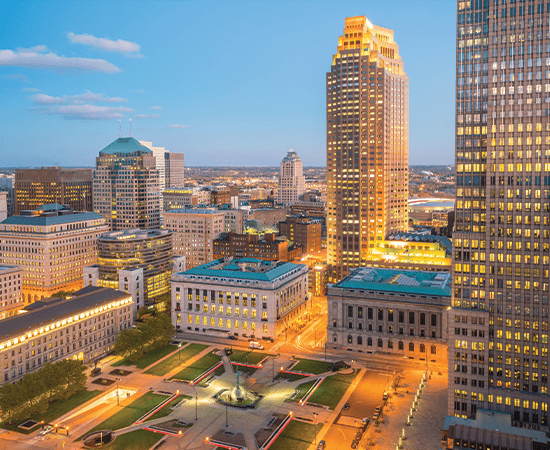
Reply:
x=124 y=145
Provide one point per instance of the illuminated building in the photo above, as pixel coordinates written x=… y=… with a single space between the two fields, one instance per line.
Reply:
x=52 y=245
x=160 y=164
x=174 y=170
x=367 y=144
x=84 y=326
x=11 y=297
x=70 y=187
x=139 y=262
x=265 y=247
x=242 y=297
x=126 y=186
x=317 y=280
x=499 y=314
x=176 y=198
x=304 y=231
x=3 y=205
x=292 y=183
x=403 y=312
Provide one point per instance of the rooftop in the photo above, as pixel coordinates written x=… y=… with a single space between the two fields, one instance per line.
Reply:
x=444 y=241
x=7 y=268
x=402 y=281
x=45 y=220
x=54 y=309
x=133 y=233
x=194 y=211
x=124 y=145
x=244 y=269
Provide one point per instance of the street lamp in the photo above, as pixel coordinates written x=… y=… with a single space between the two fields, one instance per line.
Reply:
x=273 y=366
x=117 y=396
x=315 y=433
x=179 y=353
x=196 y=405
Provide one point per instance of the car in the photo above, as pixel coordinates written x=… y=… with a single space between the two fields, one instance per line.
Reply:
x=255 y=345
x=346 y=406
x=375 y=416
x=321 y=445
x=385 y=396
x=365 y=421
x=46 y=430
x=233 y=338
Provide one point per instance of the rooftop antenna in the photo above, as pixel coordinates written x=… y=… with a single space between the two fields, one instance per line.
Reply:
x=130 y=127
x=119 y=128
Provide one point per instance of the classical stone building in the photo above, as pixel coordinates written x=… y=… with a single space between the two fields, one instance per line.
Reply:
x=11 y=284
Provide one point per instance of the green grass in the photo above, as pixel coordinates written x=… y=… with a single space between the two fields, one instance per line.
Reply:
x=290 y=376
x=312 y=366
x=55 y=410
x=134 y=440
x=331 y=390
x=170 y=363
x=302 y=390
x=129 y=414
x=296 y=436
x=198 y=367
x=166 y=411
x=252 y=357
x=149 y=357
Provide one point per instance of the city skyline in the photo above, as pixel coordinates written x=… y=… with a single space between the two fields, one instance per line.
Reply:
x=179 y=90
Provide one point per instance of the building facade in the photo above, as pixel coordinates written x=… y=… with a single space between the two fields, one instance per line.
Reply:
x=245 y=297
x=194 y=232
x=160 y=161
x=265 y=247
x=292 y=183
x=3 y=205
x=84 y=327
x=126 y=186
x=501 y=240
x=11 y=290
x=388 y=311
x=367 y=144
x=175 y=170
x=304 y=231
x=70 y=187
x=52 y=246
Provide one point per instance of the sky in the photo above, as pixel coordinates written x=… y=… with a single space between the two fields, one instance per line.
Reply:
x=225 y=82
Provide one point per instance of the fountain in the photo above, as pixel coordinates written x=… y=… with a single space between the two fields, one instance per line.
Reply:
x=238 y=396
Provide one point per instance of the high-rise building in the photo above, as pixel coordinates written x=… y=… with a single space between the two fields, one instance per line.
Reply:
x=70 y=187
x=292 y=183
x=159 y=154
x=174 y=170
x=11 y=297
x=502 y=234
x=367 y=144
x=126 y=185
x=304 y=231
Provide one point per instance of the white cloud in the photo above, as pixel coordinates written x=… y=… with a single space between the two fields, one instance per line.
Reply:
x=16 y=76
x=156 y=107
x=35 y=49
x=43 y=99
x=92 y=97
x=177 y=126
x=86 y=112
x=41 y=60
x=146 y=116
x=119 y=46
x=31 y=90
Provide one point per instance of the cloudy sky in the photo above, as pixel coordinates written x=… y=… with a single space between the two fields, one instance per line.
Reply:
x=225 y=82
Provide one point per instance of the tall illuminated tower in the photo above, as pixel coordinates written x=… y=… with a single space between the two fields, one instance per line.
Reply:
x=292 y=183
x=367 y=144
x=500 y=307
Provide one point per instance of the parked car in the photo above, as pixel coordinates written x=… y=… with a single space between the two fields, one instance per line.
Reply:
x=47 y=429
x=346 y=406
x=321 y=445
x=385 y=396
x=365 y=421
x=233 y=338
x=256 y=345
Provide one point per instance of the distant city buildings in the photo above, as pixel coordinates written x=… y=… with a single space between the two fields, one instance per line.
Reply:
x=240 y=297
x=70 y=187
x=160 y=164
x=391 y=311
x=265 y=247
x=7 y=185
x=177 y=198
x=302 y=231
x=292 y=183
x=367 y=144
x=174 y=170
x=11 y=293
x=3 y=205
x=126 y=186
x=51 y=245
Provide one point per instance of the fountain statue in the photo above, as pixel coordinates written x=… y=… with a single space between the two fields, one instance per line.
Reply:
x=238 y=396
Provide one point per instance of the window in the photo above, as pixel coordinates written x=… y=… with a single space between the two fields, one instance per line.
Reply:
x=350 y=311
x=400 y=345
x=422 y=319
x=433 y=350
x=380 y=343
x=411 y=347
x=422 y=348
x=369 y=342
x=411 y=317
x=390 y=344
x=380 y=314
x=359 y=340
x=434 y=320
x=401 y=317
x=350 y=339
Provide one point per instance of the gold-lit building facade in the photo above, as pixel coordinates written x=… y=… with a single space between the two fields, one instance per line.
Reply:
x=367 y=144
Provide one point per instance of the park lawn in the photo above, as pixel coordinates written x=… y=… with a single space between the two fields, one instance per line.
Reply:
x=129 y=414
x=312 y=366
x=290 y=376
x=166 y=411
x=331 y=390
x=198 y=367
x=251 y=357
x=302 y=390
x=179 y=357
x=296 y=436
x=149 y=357
x=56 y=409
x=134 y=440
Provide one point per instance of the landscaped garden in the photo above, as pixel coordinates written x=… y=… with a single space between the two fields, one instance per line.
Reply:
x=149 y=357
x=296 y=436
x=332 y=389
x=247 y=357
x=179 y=357
x=167 y=410
x=135 y=440
x=302 y=390
x=198 y=367
x=312 y=366
x=290 y=376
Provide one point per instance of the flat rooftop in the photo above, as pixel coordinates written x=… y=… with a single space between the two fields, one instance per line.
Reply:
x=51 y=220
x=195 y=211
x=398 y=281
x=133 y=234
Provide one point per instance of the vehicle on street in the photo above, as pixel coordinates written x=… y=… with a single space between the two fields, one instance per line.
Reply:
x=346 y=406
x=233 y=338
x=47 y=429
x=365 y=421
x=256 y=345
x=385 y=396
x=321 y=445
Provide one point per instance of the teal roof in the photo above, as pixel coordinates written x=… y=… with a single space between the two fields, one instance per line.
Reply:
x=124 y=145
x=232 y=269
x=51 y=220
x=398 y=281
x=51 y=207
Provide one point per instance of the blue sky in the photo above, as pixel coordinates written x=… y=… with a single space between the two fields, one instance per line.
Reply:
x=225 y=82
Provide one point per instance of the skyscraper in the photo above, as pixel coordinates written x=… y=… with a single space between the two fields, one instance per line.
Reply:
x=126 y=186
x=501 y=240
x=367 y=144
x=174 y=170
x=292 y=183
x=159 y=154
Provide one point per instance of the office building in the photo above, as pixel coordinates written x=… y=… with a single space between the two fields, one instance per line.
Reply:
x=304 y=231
x=292 y=183
x=265 y=247
x=317 y=280
x=177 y=198
x=233 y=220
x=3 y=205
x=126 y=186
x=84 y=326
x=249 y=298
x=70 y=187
x=367 y=144
x=174 y=170
x=269 y=217
x=51 y=245
x=499 y=315
x=194 y=232
x=11 y=293
x=403 y=312
x=160 y=162
x=7 y=185
x=222 y=195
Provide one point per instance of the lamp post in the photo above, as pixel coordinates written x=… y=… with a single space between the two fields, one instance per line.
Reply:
x=179 y=353
x=226 y=417
x=196 y=405
x=117 y=396
x=315 y=432
x=273 y=366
